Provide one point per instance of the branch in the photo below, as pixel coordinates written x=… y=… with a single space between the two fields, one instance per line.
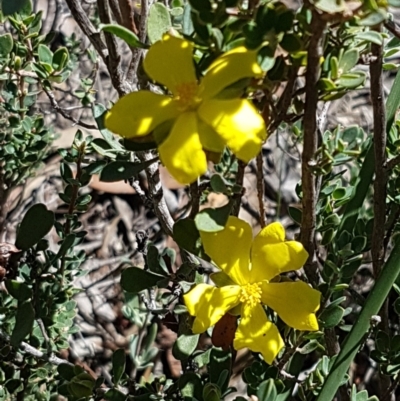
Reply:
x=136 y=52
x=87 y=28
x=310 y=196
x=378 y=106
x=35 y=352
x=156 y=194
x=113 y=60
x=393 y=28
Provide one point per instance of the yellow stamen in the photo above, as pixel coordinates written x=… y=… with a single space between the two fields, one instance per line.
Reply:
x=251 y=294
x=187 y=95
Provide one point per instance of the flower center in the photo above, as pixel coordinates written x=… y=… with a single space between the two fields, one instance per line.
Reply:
x=187 y=95
x=251 y=294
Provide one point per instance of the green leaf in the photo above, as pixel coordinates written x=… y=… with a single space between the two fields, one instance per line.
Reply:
x=331 y=6
x=6 y=44
x=114 y=395
x=125 y=34
x=213 y=220
x=123 y=170
x=36 y=223
x=211 y=392
x=135 y=280
x=374 y=18
x=186 y=235
x=18 y=290
x=348 y=60
x=296 y=214
x=118 y=365
x=218 y=184
x=190 y=386
x=13 y=6
x=351 y=80
x=371 y=36
x=267 y=391
x=158 y=23
x=362 y=325
x=291 y=43
x=60 y=58
x=332 y=316
x=184 y=346
x=23 y=322
x=45 y=54
x=187 y=23
x=66 y=371
x=220 y=361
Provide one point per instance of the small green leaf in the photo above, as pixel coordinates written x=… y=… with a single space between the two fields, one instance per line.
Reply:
x=218 y=184
x=60 y=58
x=348 y=60
x=332 y=316
x=114 y=395
x=296 y=214
x=351 y=80
x=213 y=220
x=184 y=346
x=6 y=44
x=118 y=365
x=66 y=371
x=18 y=290
x=23 y=322
x=291 y=43
x=45 y=54
x=190 y=386
x=123 y=170
x=186 y=235
x=125 y=34
x=159 y=22
x=267 y=391
x=370 y=36
x=36 y=223
x=135 y=280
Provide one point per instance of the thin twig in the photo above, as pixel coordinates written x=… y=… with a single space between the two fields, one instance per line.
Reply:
x=392 y=163
x=260 y=188
x=239 y=181
x=62 y=111
x=310 y=196
x=194 y=199
x=35 y=352
x=127 y=15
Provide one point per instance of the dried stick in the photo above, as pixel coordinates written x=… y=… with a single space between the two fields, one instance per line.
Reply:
x=310 y=196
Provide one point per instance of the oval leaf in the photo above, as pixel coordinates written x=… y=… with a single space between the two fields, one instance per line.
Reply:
x=135 y=280
x=123 y=170
x=159 y=22
x=125 y=34
x=36 y=223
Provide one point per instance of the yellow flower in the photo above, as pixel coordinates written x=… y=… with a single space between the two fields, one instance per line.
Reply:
x=248 y=266
x=194 y=119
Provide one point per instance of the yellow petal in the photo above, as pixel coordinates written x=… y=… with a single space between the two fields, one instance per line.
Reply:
x=238 y=123
x=229 y=68
x=258 y=334
x=272 y=255
x=294 y=302
x=230 y=248
x=170 y=62
x=208 y=304
x=182 y=152
x=209 y=138
x=138 y=113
